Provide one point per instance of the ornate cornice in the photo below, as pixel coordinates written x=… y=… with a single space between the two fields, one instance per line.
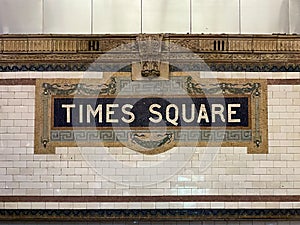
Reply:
x=219 y=52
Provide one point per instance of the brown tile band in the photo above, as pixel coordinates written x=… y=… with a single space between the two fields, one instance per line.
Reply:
x=17 y=81
x=283 y=81
x=168 y=198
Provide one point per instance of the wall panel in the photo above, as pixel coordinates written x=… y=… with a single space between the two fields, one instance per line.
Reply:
x=166 y=16
x=20 y=16
x=264 y=17
x=67 y=16
x=118 y=16
x=215 y=16
x=294 y=16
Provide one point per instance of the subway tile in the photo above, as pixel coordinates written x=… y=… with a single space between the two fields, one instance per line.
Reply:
x=244 y=205
x=292 y=192
x=93 y=205
x=233 y=171
x=266 y=191
x=52 y=205
x=107 y=205
x=279 y=75
x=38 y=205
x=272 y=205
x=285 y=205
x=79 y=205
x=32 y=185
x=33 y=192
x=87 y=192
x=268 y=178
x=218 y=205
x=11 y=205
x=259 y=171
x=7 y=75
x=24 y=205
x=231 y=205
x=252 y=75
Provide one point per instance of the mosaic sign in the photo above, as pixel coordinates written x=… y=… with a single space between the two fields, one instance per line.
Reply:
x=151 y=117
x=139 y=112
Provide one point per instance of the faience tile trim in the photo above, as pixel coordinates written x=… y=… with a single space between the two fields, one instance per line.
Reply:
x=17 y=81
x=148 y=214
x=46 y=138
x=283 y=81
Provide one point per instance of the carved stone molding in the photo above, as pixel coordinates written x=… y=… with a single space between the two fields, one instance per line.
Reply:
x=219 y=52
x=129 y=43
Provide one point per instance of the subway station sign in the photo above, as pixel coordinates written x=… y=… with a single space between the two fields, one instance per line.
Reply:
x=151 y=117
x=140 y=112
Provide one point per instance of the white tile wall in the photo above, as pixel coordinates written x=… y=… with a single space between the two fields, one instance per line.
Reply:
x=220 y=171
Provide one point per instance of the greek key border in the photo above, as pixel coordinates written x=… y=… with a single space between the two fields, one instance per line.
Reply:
x=122 y=135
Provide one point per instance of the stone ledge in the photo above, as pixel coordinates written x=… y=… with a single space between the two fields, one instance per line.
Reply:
x=103 y=43
x=257 y=53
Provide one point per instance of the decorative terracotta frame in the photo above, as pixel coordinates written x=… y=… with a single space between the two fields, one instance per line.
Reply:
x=254 y=137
